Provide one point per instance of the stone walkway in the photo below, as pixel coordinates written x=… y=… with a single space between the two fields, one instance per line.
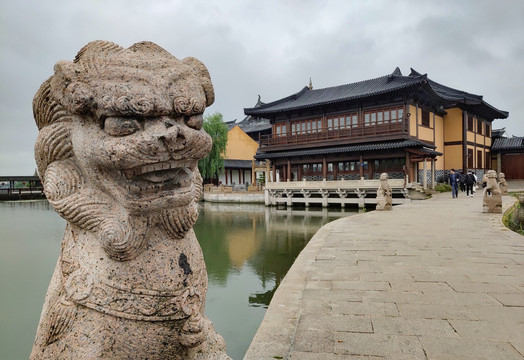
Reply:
x=434 y=279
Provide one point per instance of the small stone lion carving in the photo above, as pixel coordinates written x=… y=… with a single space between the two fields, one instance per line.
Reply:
x=492 y=202
x=120 y=135
x=503 y=185
x=384 y=199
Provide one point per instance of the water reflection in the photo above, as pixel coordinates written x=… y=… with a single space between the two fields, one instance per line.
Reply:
x=248 y=250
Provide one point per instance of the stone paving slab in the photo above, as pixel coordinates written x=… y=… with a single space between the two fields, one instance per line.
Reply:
x=433 y=279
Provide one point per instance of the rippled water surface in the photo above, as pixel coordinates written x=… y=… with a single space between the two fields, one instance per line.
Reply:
x=248 y=249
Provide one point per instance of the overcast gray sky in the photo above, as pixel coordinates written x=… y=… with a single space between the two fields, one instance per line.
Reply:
x=267 y=47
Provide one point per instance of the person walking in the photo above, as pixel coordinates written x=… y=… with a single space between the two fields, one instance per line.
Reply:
x=454 y=179
x=469 y=180
x=462 y=181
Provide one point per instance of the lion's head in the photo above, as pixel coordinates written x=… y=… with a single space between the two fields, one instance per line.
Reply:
x=120 y=138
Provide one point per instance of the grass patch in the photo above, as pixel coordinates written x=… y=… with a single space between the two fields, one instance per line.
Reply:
x=509 y=219
x=442 y=187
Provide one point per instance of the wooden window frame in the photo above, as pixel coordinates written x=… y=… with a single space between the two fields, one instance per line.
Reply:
x=470 y=158
x=470 y=123
x=479 y=159
x=425 y=119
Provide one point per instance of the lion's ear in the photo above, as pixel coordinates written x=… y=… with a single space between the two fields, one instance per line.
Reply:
x=205 y=80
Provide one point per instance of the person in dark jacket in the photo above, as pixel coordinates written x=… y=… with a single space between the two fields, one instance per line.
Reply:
x=462 y=181
x=469 y=179
x=454 y=180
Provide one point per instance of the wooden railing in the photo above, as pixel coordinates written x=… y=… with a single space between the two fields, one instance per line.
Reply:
x=332 y=134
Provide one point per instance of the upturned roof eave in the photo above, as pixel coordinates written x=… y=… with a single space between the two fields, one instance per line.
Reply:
x=263 y=113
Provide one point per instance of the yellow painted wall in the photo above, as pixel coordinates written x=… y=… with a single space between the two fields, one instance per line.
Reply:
x=425 y=134
x=239 y=145
x=493 y=161
x=453 y=157
x=471 y=136
x=453 y=125
x=413 y=120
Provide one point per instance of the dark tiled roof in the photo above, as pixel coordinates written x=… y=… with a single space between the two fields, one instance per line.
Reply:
x=496 y=133
x=230 y=124
x=237 y=164
x=252 y=123
x=394 y=82
x=390 y=145
x=19 y=178
x=505 y=144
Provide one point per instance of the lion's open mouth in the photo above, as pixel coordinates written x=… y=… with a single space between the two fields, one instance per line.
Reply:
x=162 y=176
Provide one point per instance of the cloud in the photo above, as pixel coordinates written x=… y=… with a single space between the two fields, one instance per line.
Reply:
x=270 y=48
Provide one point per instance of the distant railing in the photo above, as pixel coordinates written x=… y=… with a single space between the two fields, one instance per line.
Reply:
x=20 y=187
x=24 y=190
x=329 y=134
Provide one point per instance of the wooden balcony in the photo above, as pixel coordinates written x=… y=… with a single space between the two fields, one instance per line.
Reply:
x=326 y=136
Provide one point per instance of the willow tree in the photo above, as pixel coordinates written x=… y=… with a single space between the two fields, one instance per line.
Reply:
x=213 y=163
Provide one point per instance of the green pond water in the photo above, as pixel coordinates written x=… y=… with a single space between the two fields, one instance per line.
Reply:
x=248 y=250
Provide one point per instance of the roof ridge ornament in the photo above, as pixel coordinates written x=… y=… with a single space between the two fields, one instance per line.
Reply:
x=310 y=86
x=395 y=72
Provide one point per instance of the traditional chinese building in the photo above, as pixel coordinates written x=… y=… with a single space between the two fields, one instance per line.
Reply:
x=238 y=160
x=507 y=154
x=394 y=123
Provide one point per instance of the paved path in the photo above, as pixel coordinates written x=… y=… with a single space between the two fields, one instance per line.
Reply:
x=434 y=279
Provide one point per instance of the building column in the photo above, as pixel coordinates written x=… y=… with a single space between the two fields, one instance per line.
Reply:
x=433 y=173
x=408 y=168
x=324 y=168
x=425 y=177
x=499 y=162
x=361 y=167
x=268 y=171
x=288 y=170
x=274 y=173
x=253 y=180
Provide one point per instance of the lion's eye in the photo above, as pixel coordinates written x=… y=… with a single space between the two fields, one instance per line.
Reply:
x=195 y=121
x=118 y=126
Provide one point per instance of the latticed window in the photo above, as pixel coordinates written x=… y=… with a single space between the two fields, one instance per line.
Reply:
x=479 y=159
x=470 y=123
x=425 y=118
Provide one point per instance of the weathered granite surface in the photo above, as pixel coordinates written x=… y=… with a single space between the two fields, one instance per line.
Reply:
x=492 y=202
x=503 y=185
x=384 y=199
x=120 y=137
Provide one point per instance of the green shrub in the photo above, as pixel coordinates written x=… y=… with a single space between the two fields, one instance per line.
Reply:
x=443 y=187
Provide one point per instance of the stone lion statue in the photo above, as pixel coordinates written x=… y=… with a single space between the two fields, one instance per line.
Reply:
x=384 y=199
x=120 y=135
x=492 y=201
x=503 y=185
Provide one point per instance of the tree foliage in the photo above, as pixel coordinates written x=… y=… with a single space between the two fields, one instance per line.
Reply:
x=213 y=163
